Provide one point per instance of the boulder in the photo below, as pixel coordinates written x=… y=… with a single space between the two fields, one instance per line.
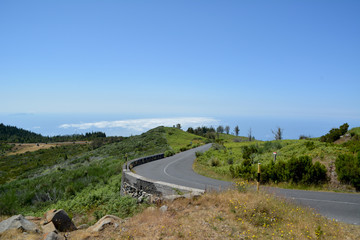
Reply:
x=61 y=220
x=48 y=227
x=18 y=222
x=83 y=226
x=53 y=236
x=104 y=222
x=164 y=208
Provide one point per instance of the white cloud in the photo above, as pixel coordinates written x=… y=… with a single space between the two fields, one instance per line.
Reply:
x=140 y=125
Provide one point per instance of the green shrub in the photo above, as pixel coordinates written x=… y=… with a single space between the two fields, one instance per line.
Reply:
x=169 y=153
x=298 y=167
x=8 y=203
x=348 y=169
x=214 y=162
x=247 y=151
x=199 y=154
x=310 y=145
x=245 y=170
x=217 y=146
x=183 y=149
x=230 y=160
x=297 y=170
x=316 y=175
x=335 y=133
x=271 y=146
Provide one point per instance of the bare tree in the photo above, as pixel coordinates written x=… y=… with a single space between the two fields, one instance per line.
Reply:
x=237 y=130
x=250 y=137
x=227 y=129
x=278 y=133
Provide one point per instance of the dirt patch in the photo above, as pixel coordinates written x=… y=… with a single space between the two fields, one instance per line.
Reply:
x=20 y=148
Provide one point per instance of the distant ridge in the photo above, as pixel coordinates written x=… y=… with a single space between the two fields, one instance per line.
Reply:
x=18 y=135
x=12 y=134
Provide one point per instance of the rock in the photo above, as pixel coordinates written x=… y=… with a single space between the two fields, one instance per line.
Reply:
x=150 y=209
x=103 y=223
x=31 y=218
x=116 y=225
x=61 y=220
x=164 y=208
x=18 y=222
x=83 y=226
x=49 y=215
x=53 y=236
x=49 y=227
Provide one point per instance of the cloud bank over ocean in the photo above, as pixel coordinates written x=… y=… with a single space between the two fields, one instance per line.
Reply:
x=141 y=125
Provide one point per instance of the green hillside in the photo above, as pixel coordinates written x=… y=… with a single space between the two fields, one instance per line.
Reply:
x=299 y=163
x=77 y=178
x=180 y=140
x=85 y=179
x=14 y=134
x=355 y=131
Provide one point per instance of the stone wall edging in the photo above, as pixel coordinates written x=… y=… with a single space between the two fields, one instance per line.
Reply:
x=142 y=188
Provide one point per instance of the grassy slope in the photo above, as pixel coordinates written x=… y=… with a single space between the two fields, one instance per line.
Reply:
x=86 y=181
x=325 y=153
x=318 y=151
x=355 y=130
x=178 y=139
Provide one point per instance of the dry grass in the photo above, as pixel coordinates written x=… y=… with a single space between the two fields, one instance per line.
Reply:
x=230 y=215
x=20 y=148
x=227 y=215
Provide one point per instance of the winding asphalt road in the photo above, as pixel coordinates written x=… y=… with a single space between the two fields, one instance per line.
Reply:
x=178 y=170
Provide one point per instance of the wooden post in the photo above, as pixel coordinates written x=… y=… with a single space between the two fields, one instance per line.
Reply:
x=258 y=178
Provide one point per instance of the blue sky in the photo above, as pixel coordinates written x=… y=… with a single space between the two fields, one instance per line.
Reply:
x=288 y=59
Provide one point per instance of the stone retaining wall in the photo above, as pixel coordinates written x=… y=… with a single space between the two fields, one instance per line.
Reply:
x=145 y=189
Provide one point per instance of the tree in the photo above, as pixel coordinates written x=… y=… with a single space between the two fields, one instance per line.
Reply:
x=220 y=129
x=335 y=133
x=278 y=133
x=227 y=129
x=190 y=130
x=250 y=137
x=237 y=130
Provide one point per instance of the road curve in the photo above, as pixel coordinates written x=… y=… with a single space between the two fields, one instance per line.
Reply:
x=178 y=170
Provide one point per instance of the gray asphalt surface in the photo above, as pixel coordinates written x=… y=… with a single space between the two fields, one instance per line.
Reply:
x=178 y=170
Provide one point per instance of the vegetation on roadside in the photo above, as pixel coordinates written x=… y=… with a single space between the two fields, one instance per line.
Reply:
x=234 y=214
x=299 y=163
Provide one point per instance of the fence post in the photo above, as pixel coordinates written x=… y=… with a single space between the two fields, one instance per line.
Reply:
x=258 y=178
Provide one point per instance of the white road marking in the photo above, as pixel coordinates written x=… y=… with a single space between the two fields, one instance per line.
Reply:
x=330 y=201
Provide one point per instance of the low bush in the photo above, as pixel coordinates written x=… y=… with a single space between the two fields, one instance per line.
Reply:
x=247 y=151
x=297 y=170
x=183 y=149
x=169 y=153
x=245 y=170
x=199 y=154
x=214 y=162
x=348 y=169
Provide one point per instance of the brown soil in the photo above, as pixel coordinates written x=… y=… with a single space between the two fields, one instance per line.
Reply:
x=20 y=148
